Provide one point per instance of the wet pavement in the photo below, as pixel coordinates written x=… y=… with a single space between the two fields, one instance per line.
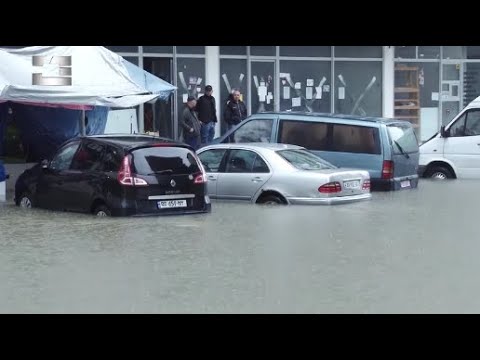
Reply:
x=414 y=251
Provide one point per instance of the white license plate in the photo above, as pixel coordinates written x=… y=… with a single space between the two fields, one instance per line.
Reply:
x=168 y=204
x=354 y=184
x=405 y=184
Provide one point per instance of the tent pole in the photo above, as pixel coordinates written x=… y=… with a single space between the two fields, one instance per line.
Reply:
x=82 y=124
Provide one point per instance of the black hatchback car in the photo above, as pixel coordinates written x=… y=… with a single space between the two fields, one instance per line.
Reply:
x=117 y=175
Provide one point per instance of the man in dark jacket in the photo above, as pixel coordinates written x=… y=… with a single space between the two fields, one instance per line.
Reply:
x=191 y=124
x=207 y=114
x=235 y=111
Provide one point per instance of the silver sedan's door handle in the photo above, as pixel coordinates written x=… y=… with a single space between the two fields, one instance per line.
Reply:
x=213 y=178
x=257 y=179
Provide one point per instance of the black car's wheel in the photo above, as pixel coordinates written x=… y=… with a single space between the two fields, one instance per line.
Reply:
x=102 y=211
x=271 y=200
x=439 y=173
x=25 y=200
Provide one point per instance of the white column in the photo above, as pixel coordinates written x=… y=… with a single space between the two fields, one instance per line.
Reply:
x=388 y=74
x=212 y=75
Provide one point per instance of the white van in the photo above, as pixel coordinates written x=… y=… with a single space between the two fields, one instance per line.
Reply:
x=454 y=152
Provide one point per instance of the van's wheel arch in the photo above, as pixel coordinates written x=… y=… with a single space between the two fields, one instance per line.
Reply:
x=440 y=172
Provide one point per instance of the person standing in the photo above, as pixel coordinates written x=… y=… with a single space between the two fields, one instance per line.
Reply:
x=207 y=114
x=235 y=111
x=190 y=124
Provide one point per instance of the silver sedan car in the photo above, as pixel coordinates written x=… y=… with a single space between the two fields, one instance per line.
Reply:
x=266 y=173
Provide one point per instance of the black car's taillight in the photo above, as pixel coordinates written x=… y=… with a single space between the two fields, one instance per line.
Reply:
x=125 y=176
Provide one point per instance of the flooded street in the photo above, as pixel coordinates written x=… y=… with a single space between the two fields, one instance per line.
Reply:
x=404 y=252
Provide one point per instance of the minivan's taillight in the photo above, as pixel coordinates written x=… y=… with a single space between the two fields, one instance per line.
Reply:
x=125 y=176
x=387 y=169
x=366 y=185
x=330 y=188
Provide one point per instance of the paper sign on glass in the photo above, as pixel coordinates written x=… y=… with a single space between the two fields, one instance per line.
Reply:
x=310 y=82
x=298 y=85
x=309 y=94
x=185 y=98
x=286 y=92
x=296 y=102
x=435 y=96
x=341 y=93
x=326 y=88
x=319 y=91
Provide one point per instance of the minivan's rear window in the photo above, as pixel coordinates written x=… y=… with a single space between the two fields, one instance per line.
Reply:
x=403 y=138
x=164 y=160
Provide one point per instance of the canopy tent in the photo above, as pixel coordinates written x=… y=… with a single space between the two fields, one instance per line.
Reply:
x=91 y=75
x=89 y=80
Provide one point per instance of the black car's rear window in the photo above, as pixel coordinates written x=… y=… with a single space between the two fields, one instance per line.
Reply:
x=164 y=160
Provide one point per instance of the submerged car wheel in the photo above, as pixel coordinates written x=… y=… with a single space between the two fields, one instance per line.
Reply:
x=440 y=173
x=26 y=201
x=102 y=211
x=271 y=200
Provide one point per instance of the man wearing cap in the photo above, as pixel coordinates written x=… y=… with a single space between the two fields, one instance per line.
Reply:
x=190 y=124
x=207 y=114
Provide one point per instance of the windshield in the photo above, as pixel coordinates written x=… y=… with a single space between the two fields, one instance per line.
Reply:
x=403 y=138
x=304 y=160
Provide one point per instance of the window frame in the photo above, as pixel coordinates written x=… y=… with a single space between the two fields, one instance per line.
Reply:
x=76 y=143
x=227 y=155
x=221 y=165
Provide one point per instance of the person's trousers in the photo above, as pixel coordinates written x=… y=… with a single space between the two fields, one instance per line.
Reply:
x=193 y=141
x=208 y=132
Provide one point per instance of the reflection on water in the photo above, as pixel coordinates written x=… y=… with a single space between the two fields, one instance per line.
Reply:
x=407 y=251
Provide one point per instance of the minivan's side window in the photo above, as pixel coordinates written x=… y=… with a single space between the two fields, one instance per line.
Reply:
x=467 y=125
x=89 y=157
x=63 y=158
x=211 y=159
x=355 y=139
x=310 y=135
x=258 y=130
x=245 y=161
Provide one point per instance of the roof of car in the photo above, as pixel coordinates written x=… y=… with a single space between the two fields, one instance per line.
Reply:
x=267 y=146
x=334 y=116
x=127 y=141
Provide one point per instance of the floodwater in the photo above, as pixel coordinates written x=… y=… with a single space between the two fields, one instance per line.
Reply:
x=413 y=251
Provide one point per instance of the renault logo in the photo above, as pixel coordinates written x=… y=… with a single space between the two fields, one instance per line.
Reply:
x=173 y=183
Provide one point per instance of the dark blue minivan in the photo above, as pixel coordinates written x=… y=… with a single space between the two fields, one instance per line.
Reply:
x=387 y=148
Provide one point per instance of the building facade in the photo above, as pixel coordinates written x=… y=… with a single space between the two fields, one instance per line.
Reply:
x=426 y=85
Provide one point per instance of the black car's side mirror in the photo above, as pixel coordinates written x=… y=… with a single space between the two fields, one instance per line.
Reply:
x=44 y=164
x=444 y=133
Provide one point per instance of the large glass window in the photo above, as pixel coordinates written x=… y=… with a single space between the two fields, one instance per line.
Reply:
x=263 y=50
x=158 y=49
x=190 y=81
x=233 y=50
x=358 y=88
x=305 y=85
x=406 y=52
x=359 y=51
x=263 y=86
x=191 y=49
x=417 y=96
x=158 y=116
x=306 y=51
x=127 y=49
x=233 y=76
x=132 y=59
